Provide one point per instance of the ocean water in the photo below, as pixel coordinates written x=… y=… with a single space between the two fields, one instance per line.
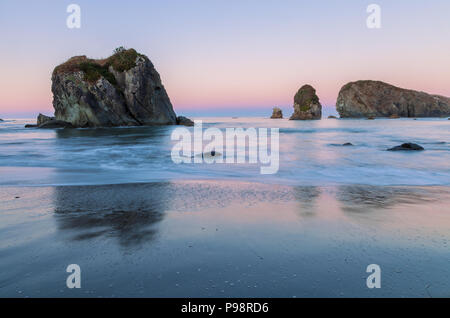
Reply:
x=139 y=225
x=311 y=153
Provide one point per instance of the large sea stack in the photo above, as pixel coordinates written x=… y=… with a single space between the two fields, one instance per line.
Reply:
x=378 y=99
x=122 y=90
x=306 y=104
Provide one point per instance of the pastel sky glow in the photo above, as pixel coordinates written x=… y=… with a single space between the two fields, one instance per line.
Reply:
x=235 y=55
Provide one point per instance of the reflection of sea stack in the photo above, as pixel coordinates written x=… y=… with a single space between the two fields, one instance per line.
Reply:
x=306 y=104
x=277 y=113
x=378 y=99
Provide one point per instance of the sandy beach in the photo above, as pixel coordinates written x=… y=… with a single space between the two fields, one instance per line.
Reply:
x=224 y=239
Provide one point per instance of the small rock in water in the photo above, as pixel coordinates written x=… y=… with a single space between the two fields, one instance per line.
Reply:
x=56 y=124
x=42 y=119
x=348 y=144
x=184 y=121
x=31 y=126
x=407 y=146
x=277 y=113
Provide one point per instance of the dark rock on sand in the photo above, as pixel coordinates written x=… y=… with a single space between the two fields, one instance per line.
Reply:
x=122 y=90
x=375 y=98
x=406 y=146
x=184 y=121
x=277 y=113
x=306 y=104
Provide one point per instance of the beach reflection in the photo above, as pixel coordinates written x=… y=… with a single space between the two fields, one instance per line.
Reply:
x=129 y=213
x=362 y=199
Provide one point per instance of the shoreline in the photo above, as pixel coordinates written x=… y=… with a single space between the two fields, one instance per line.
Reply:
x=224 y=239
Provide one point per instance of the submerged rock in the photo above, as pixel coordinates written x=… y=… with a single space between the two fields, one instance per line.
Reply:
x=306 y=104
x=42 y=119
x=407 y=146
x=184 y=121
x=277 y=113
x=375 y=98
x=122 y=90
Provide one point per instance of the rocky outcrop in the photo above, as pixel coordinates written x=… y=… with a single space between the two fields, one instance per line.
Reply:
x=277 y=113
x=56 y=124
x=306 y=104
x=122 y=90
x=407 y=146
x=42 y=119
x=378 y=99
x=184 y=121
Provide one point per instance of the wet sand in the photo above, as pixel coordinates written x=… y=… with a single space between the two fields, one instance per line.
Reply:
x=224 y=239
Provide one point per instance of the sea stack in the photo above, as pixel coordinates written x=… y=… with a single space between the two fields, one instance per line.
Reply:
x=277 y=113
x=122 y=90
x=378 y=99
x=306 y=104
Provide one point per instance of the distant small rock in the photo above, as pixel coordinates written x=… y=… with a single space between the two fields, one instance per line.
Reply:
x=2 y=119
x=332 y=117
x=407 y=146
x=42 y=119
x=347 y=144
x=394 y=116
x=184 y=121
x=277 y=113
x=56 y=124
x=370 y=118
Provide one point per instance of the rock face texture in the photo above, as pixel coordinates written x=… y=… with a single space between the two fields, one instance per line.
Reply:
x=42 y=119
x=306 y=104
x=122 y=90
x=276 y=113
x=378 y=99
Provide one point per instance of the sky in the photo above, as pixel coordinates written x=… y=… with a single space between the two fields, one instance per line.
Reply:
x=233 y=57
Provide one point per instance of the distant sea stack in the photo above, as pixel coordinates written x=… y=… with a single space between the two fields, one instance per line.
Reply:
x=277 y=113
x=306 y=104
x=378 y=99
x=122 y=90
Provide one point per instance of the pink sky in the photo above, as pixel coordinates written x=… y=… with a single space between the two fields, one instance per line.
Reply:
x=237 y=55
